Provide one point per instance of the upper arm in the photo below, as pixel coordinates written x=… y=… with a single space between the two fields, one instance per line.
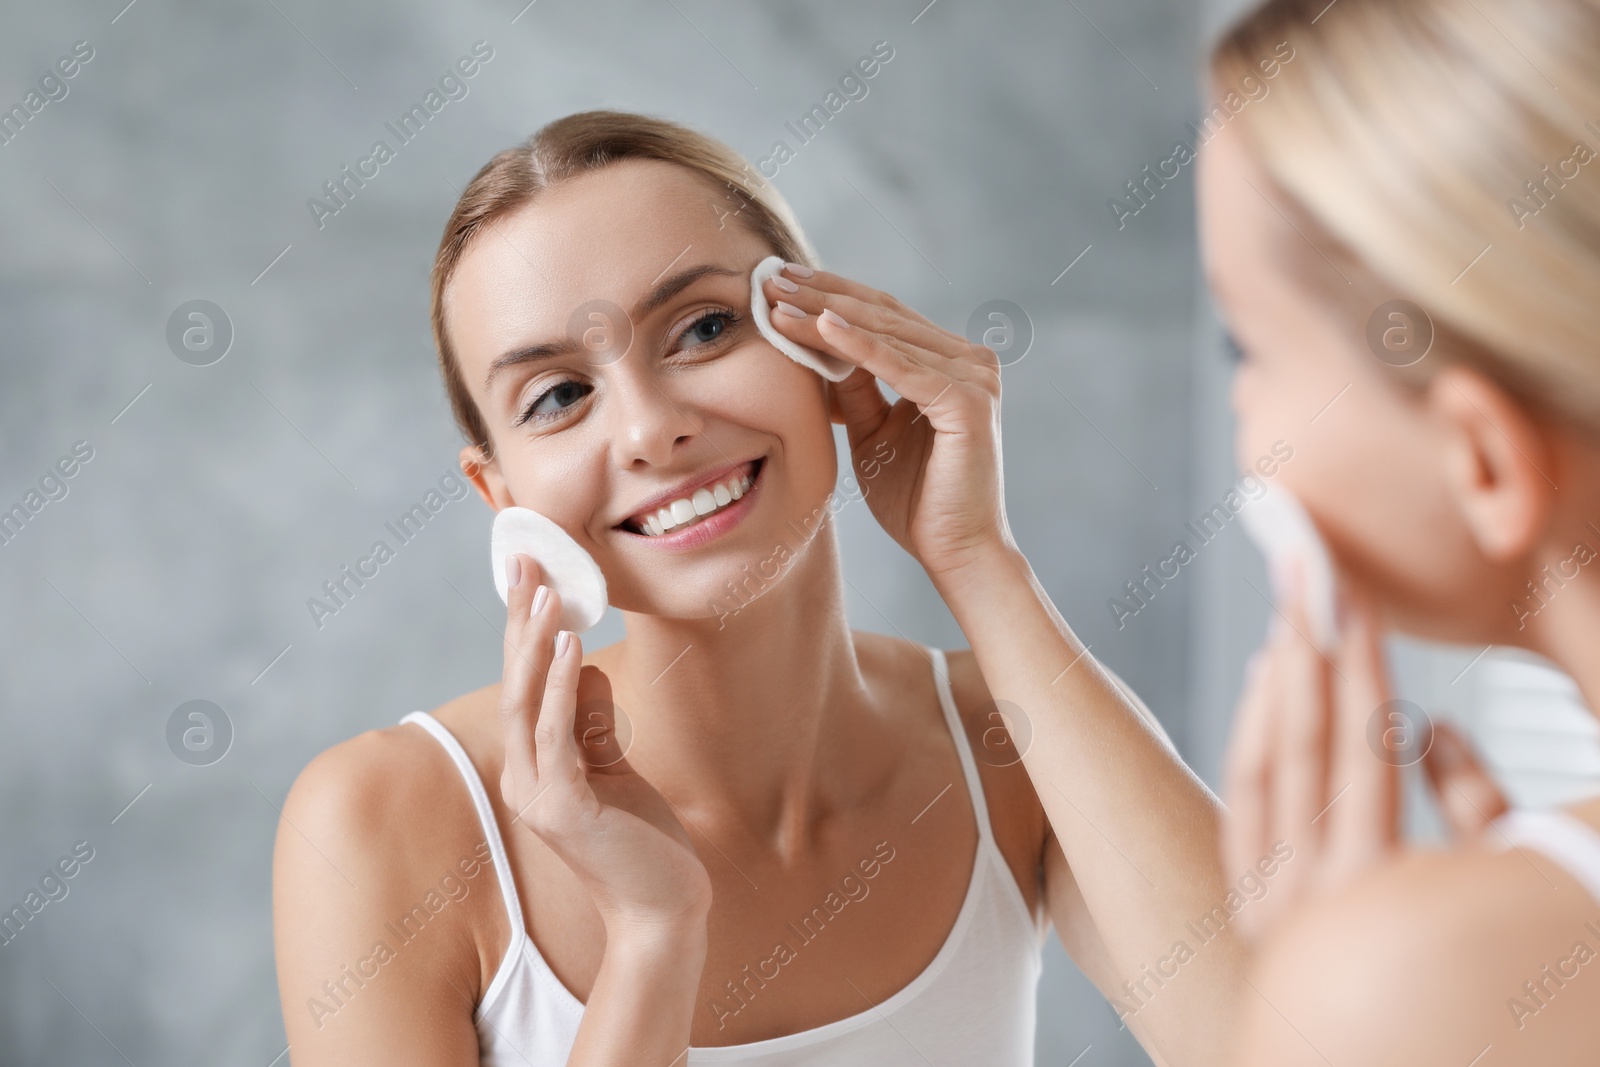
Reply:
x=346 y=875
x=1079 y=935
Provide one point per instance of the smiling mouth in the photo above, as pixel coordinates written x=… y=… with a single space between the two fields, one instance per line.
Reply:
x=704 y=502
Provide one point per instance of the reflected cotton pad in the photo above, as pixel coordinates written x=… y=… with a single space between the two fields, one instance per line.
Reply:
x=568 y=569
x=1277 y=522
x=830 y=367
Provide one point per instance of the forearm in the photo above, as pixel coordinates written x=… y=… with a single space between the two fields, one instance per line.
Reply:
x=1139 y=830
x=638 y=1013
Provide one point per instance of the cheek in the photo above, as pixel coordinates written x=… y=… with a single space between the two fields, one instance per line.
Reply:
x=1268 y=407
x=765 y=390
x=1367 y=472
x=561 y=477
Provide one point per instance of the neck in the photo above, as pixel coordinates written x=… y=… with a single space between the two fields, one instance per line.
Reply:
x=733 y=715
x=1566 y=629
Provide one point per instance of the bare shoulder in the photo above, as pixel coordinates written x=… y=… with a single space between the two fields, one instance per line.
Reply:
x=378 y=853
x=1437 y=957
x=386 y=792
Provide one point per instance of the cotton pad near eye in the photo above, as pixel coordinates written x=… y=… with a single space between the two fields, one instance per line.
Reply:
x=830 y=367
x=568 y=569
x=1278 y=524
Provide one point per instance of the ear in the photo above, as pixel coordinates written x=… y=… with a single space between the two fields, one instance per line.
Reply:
x=484 y=474
x=1498 y=461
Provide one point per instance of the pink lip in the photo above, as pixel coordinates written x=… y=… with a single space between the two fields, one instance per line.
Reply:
x=711 y=528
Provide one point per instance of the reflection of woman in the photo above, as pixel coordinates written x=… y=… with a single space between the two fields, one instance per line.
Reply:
x=1441 y=152
x=800 y=859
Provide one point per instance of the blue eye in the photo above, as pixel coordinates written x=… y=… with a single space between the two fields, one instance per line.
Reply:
x=709 y=327
x=567 y=391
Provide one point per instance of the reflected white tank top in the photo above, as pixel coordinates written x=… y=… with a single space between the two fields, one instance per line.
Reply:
x=975 y=1003
x=1561 y=836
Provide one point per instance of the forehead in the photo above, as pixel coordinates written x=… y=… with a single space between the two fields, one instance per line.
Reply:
x=610 y=235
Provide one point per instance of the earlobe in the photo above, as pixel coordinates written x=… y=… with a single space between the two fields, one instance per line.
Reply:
x=1498 y=461
x=484 y=474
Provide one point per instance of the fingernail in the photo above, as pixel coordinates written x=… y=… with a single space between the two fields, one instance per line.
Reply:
x=790 y=310
x=785 y=284
x=799 y=270
x=563 y=639
x=540 y=595
x=513 y=572
x=834 y=318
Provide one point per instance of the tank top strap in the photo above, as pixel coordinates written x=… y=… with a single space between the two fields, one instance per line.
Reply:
x=1564 y=838
x=480 y=801
x=969 y=766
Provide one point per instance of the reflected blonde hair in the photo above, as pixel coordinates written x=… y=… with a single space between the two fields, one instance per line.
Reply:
x=1406 y=131
x=580 y=144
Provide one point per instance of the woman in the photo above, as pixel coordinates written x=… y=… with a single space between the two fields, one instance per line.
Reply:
x=1441 y=154
x=782 y=848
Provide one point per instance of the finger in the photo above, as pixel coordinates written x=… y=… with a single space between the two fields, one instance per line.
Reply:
x=603 y=748
x=829 y=282
x=1365 y=825
x=521 y=690
x=892 y=321
x=555 y=748
x=857 y=401
x=799 y=317
x=523 y=575
x=1247 y=778
x=1301 y=787
x=913 y=379
x=1468 y=797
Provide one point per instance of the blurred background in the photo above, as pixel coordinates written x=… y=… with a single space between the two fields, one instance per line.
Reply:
x=228 y=478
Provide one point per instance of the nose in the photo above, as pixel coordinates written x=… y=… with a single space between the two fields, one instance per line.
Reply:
x=647 y=423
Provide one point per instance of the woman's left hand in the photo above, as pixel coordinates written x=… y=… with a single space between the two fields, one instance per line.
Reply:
x=929 y=464
x=1313 y=774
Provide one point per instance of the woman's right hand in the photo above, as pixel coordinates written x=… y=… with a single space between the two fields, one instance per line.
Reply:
x=570 y=782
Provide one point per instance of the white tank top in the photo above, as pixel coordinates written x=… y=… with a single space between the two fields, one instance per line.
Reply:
x=975 y=1003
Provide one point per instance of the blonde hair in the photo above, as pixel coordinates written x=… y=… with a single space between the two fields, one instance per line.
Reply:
x=579 y=144
x=1452 y=148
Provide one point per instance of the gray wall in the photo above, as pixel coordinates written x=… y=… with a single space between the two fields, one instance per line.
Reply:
x=220 y=497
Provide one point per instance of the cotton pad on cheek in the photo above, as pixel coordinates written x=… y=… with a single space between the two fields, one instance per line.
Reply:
x=1279 y=525
x=568 y=569
x=830 y=367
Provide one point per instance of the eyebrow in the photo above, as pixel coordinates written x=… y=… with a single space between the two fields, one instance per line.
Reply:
x=662 y=293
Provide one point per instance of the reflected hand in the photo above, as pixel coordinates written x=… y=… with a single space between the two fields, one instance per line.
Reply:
x=1308 y=768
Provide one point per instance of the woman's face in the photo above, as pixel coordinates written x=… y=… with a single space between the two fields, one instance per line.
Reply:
x=1368 y=454
x=591 y=429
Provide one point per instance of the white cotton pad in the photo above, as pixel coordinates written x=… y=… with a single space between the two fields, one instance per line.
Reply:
x=830 y=367
x=1277 y=522
x=568 y=569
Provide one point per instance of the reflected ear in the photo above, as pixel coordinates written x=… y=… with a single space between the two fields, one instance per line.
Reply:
x=484 y=474
x=1498 y=459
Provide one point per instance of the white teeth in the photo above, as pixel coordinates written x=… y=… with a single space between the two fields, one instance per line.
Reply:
x=702 y=502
